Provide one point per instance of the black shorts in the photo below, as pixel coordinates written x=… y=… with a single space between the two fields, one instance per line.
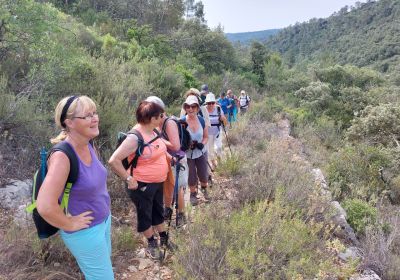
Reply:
x=148 y=199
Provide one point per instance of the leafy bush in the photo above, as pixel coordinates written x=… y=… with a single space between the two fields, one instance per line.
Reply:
x=317 y=97
x=377 y=125
x=123 y=239
x=353 y=172
x=359 y=214
x=266 y=110
x=261 y=241
x=349 y=76
x=230 y=165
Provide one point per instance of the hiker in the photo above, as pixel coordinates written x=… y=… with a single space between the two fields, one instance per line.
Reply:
x=223 y=101
x=244 y=102
x=145 y=185
x=197 y=160
x=232 y=107
x=203 y=111
x=203 y=94
x=86 y=228
x=217 y=118
x=170 y=133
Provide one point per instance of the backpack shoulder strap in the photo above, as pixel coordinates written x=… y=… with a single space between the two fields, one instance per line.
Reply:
x=141 y=145
x=73 y=159
x=164 y=129
x=132 y=164
x=202 y=122
x=73 y=172
x=138 y=135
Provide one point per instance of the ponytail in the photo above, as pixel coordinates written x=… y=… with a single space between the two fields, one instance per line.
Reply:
x=60 y=137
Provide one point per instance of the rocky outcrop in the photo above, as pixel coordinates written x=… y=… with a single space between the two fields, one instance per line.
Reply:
x=366 y=275
x=15 y=197
x=342 y=230
x=15 y=193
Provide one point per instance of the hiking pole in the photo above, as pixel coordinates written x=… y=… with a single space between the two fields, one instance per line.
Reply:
x=209 y=165
x=209 y=175
x=174 y=199
x=227 y=139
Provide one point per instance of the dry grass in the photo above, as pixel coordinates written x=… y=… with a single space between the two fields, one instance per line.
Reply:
x=381 y=244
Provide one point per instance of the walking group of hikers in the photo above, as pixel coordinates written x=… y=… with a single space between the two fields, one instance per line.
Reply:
x=157 y=160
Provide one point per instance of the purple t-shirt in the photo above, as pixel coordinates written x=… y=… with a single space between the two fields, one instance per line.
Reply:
x=89 y=193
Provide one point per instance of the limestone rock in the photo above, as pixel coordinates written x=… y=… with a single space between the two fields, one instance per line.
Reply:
x=350 y=253
x=144 y=263
x=132 y=268
x=141 y=254
x=15 y=194
x=22 y=218
x=366 y=275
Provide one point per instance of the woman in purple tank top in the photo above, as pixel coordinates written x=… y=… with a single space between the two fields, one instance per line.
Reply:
x=86 y=227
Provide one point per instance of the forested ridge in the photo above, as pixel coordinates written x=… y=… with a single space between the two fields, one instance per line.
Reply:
x=363 y=35
x=247 y=37
x=335 y=80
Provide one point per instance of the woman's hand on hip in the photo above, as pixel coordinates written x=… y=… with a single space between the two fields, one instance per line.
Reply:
x=80 y=221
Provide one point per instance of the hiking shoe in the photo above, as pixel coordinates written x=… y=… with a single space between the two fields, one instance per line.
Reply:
x=193 y=198
x=205 y=194
x=165 y=242
x=167 y=213
x=180 y=220
x=153 y=250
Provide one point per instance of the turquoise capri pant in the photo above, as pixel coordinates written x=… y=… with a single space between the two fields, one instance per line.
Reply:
x=91 y=248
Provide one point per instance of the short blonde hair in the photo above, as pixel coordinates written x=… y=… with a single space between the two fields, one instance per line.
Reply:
x=80 y=104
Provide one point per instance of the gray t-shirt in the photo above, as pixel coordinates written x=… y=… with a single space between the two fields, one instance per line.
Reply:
x=196 y=136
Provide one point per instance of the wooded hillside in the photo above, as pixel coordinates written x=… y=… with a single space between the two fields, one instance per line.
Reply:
x=364 y=35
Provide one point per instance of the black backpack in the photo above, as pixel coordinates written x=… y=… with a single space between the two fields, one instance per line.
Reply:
x=141 y=145
x=44 y=229
x=184 y=135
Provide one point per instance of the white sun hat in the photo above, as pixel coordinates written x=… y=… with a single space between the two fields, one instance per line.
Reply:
x=210 y=98
x=190 y=100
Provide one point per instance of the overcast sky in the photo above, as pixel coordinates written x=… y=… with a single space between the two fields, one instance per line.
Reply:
x=255 y=15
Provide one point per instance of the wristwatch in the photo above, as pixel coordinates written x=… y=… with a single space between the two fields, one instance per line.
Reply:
x=128 y=178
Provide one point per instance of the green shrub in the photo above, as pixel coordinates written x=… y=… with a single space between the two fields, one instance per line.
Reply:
x=359 y=214
x=266 y=110
x=377 y=125
x=317 y=97
x=230 y=165
x=353 y=172
x=349 y=76
x=260 y=241
x=123 y=239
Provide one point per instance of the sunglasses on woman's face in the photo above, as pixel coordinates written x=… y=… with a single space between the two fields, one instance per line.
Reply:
x=194 y=106
x=210 y=103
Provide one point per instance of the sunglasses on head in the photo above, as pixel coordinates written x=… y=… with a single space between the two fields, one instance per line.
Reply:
x=193 y=106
